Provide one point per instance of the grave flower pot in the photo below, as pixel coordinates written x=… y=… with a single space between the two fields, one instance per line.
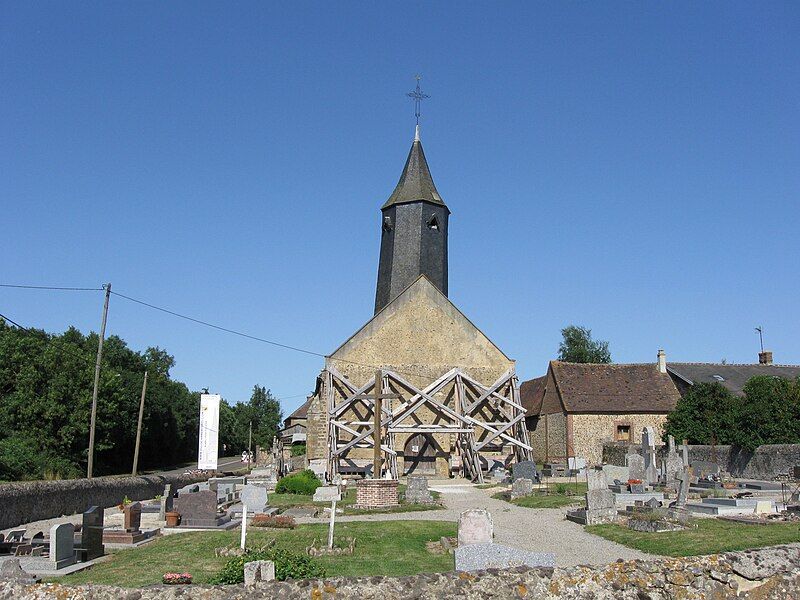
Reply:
x=173 y=518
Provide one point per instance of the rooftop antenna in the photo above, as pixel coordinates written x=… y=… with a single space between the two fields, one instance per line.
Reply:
x=418 y=96
x=760 y=330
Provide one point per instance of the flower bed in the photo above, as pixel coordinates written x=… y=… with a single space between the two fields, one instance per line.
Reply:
x=273 y=521
x=177 y=578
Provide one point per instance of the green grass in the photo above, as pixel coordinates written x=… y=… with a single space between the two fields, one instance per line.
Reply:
x=382 y=548
x=284 y=501
x=556 y=496
x=705 y=536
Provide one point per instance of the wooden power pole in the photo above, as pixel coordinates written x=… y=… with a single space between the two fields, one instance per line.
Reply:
x=139 y=427
x=90 y=464
x=377 y=459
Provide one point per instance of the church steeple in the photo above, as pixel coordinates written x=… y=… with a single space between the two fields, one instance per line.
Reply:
x=414 y=231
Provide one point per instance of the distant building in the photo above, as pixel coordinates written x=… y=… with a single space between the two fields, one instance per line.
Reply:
x=732 y=377
x=576 y=408
x=294 y=426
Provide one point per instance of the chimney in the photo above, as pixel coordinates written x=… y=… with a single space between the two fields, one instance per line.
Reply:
x=765 y=357
x=662 y=362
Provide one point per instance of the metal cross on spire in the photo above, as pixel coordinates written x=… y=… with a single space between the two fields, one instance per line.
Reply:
x=418 y=96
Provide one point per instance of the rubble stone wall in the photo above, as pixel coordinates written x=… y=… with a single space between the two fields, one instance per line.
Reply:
x=767 y=573
x=766 y=462
x=27 y=501
x=591 y=432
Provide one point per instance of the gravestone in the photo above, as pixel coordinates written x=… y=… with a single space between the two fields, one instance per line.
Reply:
x=199 y=510
x=476 y=557
x=614 y=472
x=649 y=453
x=62 y=546
x=683 y=488
x=417 y=491
x=133 y=517
x=320 y=468
x=600 y=506
x=636 y=488
x=254 y=497
x=673 y=465
x=10 y=570
x=704 y=469
x=167 y=501
x=92 y=534
x=635 y=464
x=685 y=453
x=475 y=526
x=327 y=493
x=525 y=469
x=596 y=479
x=188 y=489
x=576 y=464
x=521 y=487
x=258 y=570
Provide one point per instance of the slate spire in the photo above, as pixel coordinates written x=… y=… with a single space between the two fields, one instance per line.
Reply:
x=414 y=231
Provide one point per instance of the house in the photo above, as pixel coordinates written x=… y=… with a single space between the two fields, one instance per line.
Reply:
x=576 y=408
x=294 y=426
x=731 y=376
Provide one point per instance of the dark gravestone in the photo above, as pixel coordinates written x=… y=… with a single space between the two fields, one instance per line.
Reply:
x=199 y=510
x=525 y=469
x=133 y=517
x=92 y=534
x=636 y=488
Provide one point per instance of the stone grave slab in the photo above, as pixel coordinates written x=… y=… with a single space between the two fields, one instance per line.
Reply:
x=92 y=534
x=62 y=550
x=199 y=511
x=417 y=491
x=475 y=526
x=327 y=493
x=615 y=472
x=525 y=469
x=635 y=464
x=259 y=570
x=521 y=487
x=254 y=497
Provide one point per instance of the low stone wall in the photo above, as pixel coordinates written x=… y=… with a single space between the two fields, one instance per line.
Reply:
x=27 y=501
x=772 y=573
x=766 y=462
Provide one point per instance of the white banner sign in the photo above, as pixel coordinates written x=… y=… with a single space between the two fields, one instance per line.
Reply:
x=209 y=432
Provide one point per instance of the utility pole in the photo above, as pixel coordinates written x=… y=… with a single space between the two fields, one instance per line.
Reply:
x=90 y=465
x=139 y=427
x=250 y=445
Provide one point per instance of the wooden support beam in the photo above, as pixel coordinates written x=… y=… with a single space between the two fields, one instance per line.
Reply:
x=377 y=412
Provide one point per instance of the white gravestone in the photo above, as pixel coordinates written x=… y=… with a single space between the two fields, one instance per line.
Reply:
x=475 y=526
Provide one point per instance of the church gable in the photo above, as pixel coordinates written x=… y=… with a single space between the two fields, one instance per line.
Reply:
x=421 y=327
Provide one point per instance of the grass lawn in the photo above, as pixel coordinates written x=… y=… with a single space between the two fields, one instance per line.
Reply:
x=382 y=548
x=284 y=501
x=706 y=536
x=555 y=497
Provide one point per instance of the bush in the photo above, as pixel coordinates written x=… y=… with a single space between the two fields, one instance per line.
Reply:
x=288 y=565
x=298 y=449
x=304 y=483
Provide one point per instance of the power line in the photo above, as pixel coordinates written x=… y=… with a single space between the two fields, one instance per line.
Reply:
x=50 y=287
x=5 y=318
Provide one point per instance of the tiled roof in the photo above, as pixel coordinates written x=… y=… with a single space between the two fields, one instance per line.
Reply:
x=609 y=388
x=531 y=394
x=301 y=412
x=733 y=377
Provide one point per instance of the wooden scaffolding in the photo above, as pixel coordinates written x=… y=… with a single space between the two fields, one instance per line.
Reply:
x=479 y=416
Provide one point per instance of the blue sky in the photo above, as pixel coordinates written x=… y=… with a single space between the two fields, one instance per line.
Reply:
x=629 y=167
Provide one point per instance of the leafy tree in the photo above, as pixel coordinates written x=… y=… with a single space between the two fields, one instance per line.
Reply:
x=578 y=346
x=707 y=414
x=769 y=413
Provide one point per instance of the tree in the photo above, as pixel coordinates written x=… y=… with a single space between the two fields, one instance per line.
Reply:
x=578 y=346
x=769 y=413
x=265 y=413
x=707 y=414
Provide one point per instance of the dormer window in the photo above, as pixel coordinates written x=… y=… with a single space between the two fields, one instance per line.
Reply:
x=433 y=223
x=387 y=223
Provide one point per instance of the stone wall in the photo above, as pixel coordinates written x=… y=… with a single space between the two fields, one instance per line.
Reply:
x=28 y=501
x=549 y=438
x=768 y=573
x=591 y=432
x=765 y=463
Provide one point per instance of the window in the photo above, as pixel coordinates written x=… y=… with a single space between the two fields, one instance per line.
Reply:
x=623 y=433
x=387 y=223
x=433 y=223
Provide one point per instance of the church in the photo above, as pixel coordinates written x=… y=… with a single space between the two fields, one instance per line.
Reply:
x=449 y=400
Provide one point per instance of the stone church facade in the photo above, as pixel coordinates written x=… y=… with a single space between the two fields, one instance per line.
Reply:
x=452 y=394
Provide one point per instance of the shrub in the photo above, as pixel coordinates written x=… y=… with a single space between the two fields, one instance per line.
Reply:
x=288 y=565
x=298 y=449
x=274 y=521
x=304 y=483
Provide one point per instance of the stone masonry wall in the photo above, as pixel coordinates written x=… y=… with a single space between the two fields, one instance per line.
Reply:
x=765 y=463
x=549 y=438
x=767 y=573
x=591 y=432
x=28 y=501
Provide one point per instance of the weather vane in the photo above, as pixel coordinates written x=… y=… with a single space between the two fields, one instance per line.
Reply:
x=418 y=96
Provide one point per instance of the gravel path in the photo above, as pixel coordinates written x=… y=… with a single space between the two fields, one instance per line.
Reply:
x=537 y=530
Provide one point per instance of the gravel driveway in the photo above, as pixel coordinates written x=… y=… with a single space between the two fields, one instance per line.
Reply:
x=537 y=530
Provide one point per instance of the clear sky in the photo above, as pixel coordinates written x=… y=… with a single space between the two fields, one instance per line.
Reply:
x=631 y=167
